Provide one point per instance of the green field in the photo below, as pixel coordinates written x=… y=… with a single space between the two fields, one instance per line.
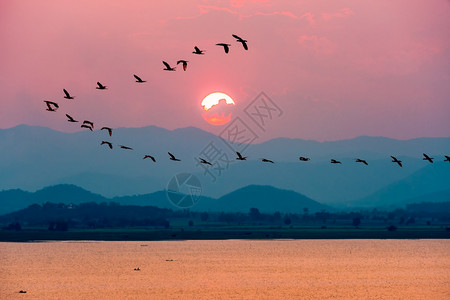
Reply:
x=222 y=233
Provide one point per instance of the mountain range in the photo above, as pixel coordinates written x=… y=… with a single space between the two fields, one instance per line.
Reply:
x=32 y=158
x=266 y=198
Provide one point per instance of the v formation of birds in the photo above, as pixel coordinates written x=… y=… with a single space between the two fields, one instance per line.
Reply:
x=53 y=107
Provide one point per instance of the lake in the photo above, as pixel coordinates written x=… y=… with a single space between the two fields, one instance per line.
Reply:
x=227 y=269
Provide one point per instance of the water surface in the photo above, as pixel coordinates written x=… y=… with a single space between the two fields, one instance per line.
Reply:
x=229 y=269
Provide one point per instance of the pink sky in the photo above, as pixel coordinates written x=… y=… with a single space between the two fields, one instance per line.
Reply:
x=338 y=69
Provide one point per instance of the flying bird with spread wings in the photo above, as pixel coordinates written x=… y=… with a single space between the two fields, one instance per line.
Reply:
x=205 y=162
x=138 y=79
x=267 y=160
x=86 y=126
x=101 y=86
x=125 y=147
x=89 y=123
x=395 y=160
x=168 y=67
x=172 y=157
x=67 y=95
x=51 y=106
x=361 y=161
x=198 y=51
x=240 y=40
x=240 y=157
x=149 y=156
x=426 y=157
x=302 y=158
x=107 y=143
x=226 y=47
x=333 y=161
x=184 y=62
x=70 y=119
x=108 y=129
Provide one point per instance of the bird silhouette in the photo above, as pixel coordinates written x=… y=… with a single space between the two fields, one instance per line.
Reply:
x=226 y=47
x=198 y=51
x=184 y=62
x=266 y=160
x=101 y=86
x=107 y=143
x=333 y=161
x=172 y=157
x=426 y=157
x=109 y=130
x=361 y=161
x=395 y=160
x=240 y=157
x=51 y=106
x=202 y=161
x=168 y=67
x=149 y=156
x=240 y=40
x=125 y=147
x=301 y=158
x=447 y=158
x=86 y=126
x=86 y=122
x=137 y=269
x=70 y=119
x=138 y=79
x=67 y=95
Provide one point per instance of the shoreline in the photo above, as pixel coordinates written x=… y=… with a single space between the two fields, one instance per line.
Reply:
x=134 y=234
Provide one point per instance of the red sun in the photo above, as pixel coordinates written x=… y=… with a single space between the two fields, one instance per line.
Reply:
x=218 y=107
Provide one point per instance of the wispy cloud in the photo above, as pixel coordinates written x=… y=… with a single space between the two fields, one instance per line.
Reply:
x=342 y=13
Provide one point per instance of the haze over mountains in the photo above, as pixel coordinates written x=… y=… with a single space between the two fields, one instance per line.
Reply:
x=35 y=157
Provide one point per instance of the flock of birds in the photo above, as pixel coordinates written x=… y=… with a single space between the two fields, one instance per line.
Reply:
x=53 y=107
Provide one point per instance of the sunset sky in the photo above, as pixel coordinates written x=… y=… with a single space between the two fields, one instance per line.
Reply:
x=337 y=69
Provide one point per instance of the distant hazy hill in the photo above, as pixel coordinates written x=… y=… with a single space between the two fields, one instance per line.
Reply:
x=430 y=184
x=12 y=200
x=265 y=198
x=34 y=157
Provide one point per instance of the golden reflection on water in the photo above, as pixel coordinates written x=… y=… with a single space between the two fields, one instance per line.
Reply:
x=232 y=269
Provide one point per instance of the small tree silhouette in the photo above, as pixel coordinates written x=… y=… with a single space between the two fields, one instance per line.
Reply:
x=356 y=221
